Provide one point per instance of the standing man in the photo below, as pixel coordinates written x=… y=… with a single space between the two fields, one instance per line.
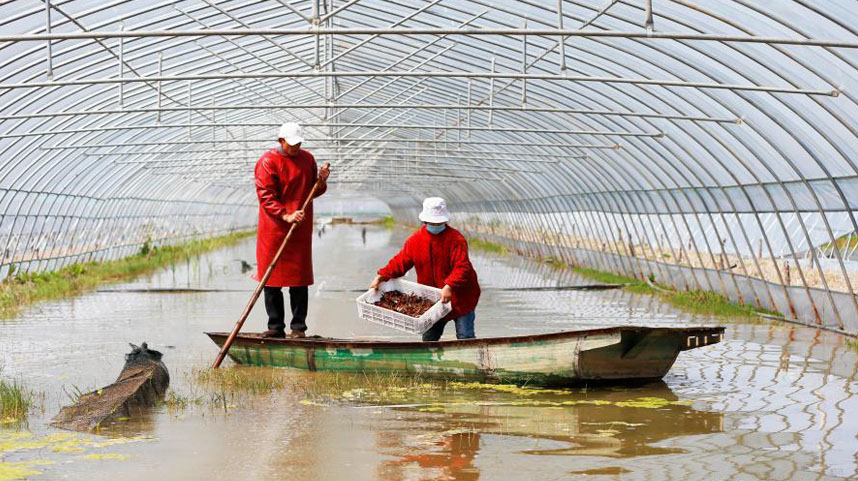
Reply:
x=284 y=177
x=439 y=254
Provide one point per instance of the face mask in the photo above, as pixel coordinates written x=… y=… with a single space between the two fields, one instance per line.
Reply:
x=436 y=229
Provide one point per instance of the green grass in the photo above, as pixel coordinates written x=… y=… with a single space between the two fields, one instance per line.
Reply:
x=697 y=302
x=853 y=344
x=388 y=222
x=15 y=401
x=25 y=289
x=844 y=243
x=486 y=246
x=709 y=303
x=605 y=277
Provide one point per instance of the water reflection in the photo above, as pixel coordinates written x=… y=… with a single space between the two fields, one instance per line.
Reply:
x=618 y=423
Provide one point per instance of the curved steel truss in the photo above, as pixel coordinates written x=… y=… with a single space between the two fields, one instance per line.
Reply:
x=708 y=145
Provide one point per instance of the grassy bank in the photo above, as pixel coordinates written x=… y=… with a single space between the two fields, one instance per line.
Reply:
x=388 y=222
x=24 y=289
x=697 y=302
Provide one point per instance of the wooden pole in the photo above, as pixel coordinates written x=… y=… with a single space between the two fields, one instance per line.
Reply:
x=258 y=291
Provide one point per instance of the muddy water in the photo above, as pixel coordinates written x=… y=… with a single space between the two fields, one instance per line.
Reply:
x=772 y=402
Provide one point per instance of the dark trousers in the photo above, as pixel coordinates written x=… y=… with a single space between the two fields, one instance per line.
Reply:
x=298 y=300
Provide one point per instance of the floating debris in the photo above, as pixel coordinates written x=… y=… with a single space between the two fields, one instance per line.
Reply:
x=142 y=383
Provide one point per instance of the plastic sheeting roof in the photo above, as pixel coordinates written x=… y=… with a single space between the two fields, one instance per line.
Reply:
x=158 y=110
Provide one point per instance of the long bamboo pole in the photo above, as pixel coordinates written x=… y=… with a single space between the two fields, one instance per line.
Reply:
x=258 y=291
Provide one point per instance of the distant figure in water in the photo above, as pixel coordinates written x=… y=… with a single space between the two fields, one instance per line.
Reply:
x=363 y=235
x=245 y=266
x=439 y=254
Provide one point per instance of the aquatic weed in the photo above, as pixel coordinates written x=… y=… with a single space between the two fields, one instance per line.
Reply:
x=241 y=379
x=15 y=401
x=384 y=388
x=176 y=402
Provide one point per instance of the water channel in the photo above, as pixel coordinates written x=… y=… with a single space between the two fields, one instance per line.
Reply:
x=771 y=402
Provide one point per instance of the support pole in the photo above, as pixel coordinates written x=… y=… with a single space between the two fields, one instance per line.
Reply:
x=316 y=62
x=523 y=67
x=459 y=121
x=491 y=94
x=469 y=110
x=561 y=40
x=214 y=122
x=50 y=67
x=121 y=67
x=648 y=22
x=189 y=110
x=160 y=86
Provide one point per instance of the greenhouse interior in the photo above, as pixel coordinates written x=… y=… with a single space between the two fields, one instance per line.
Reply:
x=627 y=209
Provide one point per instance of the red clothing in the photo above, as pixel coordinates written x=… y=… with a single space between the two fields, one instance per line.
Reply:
x=282 y=184
x=439 y=259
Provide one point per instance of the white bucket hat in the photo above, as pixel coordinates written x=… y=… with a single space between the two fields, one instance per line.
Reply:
x=434 y=211
x=291 y=132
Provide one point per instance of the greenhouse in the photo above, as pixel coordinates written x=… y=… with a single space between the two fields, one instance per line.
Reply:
x=633 y=165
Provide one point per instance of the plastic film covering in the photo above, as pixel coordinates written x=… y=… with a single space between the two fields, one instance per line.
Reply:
x=711 y=145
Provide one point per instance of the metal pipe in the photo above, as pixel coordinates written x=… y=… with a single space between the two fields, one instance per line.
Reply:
x=523 y=67
x=545 y=32
x=470 y=82
x=337 y=10
x=491 y=93
x=428 y=74
x=333 y=147
x=356 y=139
x=122 y=67
x=293 y=106
x=648 y=22
x=561 y=41
x=50 y=56
x=190 y=103
x=295 y=11
x=335 y=124
x=161 y=72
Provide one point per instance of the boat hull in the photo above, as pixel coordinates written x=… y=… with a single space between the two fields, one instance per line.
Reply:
x=564 y=358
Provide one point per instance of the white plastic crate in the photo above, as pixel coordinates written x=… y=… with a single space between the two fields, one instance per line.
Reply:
x=415 y=325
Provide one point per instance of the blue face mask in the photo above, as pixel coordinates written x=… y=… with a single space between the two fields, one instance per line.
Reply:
x=436 y=229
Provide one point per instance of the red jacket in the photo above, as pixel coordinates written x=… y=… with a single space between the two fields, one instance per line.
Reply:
x=439 y=259
x=282 y=184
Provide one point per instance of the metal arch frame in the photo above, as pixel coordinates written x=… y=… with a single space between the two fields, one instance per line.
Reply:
x=799 y=217
x=690 y=166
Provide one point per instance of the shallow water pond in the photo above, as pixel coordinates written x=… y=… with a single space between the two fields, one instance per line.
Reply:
x=771 y=402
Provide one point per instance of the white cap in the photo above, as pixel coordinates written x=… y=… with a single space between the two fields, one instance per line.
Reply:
x=434 y=211
x=291 y=132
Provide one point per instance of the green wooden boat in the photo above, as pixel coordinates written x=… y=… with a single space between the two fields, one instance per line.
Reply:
x=560 y=358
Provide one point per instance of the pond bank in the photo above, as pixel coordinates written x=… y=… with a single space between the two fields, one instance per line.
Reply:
x=24 y=289
x=695 y=302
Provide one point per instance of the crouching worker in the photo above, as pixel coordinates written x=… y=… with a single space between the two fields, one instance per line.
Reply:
x=439 y=254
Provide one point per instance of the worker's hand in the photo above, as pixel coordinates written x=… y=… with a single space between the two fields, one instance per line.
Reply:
x=446 y=294
x=295 y=217
x=324 y=172
x=375 y=282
